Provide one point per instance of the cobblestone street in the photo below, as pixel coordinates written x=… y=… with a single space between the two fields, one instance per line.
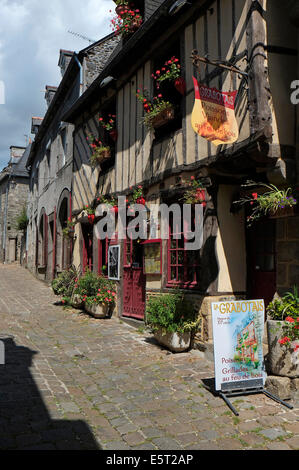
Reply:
x=73 y=382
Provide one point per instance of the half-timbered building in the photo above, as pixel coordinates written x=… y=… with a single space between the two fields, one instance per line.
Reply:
x=258 y=39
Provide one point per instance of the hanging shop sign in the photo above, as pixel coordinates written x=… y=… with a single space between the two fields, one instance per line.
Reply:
x=238 y=328
x=213 y=116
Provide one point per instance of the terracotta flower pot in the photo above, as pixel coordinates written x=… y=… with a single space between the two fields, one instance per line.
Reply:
x=180 y=85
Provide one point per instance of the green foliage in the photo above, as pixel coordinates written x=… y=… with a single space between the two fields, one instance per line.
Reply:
x=288 y=305
x=64 y=283
x=152 y=108
x=171 y=313
x=268 y=202
x=93 y=288
x=22 y=220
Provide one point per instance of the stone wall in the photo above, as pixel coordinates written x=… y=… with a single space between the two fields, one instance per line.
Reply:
x=287 y=235
x=96 y=59
x=17 y=199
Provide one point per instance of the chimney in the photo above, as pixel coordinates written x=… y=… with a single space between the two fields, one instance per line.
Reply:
x=50 y=92
x=35 y=123
x=64 y=60
x=16 y=154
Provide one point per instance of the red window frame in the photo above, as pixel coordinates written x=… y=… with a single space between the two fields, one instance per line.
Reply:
x=178 y=260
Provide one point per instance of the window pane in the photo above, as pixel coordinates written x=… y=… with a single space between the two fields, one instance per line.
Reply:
x=173 y=257
x=180 y=257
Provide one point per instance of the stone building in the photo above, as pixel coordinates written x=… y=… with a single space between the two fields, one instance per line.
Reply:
x=51 y=161
x=234 y=262
x=14 y=186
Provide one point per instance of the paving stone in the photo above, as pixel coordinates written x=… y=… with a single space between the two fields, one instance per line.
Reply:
x=132 y=395
x=278 y=446
x=273 y=433
x=293 y=442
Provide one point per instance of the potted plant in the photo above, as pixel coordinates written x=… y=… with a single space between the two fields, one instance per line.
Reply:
x=97 y=294
x=90 y=213
x=172 y=320
x=110 y=126
x=171 y=71
x=274 y=203
x=121 y=6
x=64 y=286
x=283 y=335
x=126 y=22
x=196 y=194
x=100 y=152
x=110 y=201
x=102 y=304
x=157 y=112
x=137 y=196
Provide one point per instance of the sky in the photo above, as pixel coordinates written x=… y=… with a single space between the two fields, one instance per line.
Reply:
x=32 y=32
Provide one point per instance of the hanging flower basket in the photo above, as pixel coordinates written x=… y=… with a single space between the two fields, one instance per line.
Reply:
x=163 y=117
x=273 y=203
x=196 y=194
x=100 y=155
x=122 y=8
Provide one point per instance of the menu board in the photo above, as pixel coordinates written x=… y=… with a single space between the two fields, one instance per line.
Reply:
x=152 y=257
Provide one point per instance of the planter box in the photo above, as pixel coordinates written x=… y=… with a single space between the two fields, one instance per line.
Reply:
x=285 y=212
x=162 y=118
x=282 y=360
x=99 y=157
x=99 y=311
x=176 y=342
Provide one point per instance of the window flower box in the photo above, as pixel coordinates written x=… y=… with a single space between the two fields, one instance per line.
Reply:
x=163 y=117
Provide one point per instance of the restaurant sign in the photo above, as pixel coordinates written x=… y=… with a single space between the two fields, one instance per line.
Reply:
x=213 y=116
x=238 y=328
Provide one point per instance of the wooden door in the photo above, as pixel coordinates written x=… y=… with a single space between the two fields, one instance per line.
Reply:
x=133 y=281
x=87 y=235
x=262 y=261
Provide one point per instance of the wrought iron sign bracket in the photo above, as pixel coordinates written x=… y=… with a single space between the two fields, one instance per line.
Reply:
x=196 y=59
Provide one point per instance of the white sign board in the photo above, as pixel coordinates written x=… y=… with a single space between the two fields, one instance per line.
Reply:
x=238 y=328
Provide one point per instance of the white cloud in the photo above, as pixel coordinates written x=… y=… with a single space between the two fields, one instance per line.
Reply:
x=31 y=34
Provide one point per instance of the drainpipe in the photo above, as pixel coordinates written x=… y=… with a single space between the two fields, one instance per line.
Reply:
x=81 y=72
x=5 y=216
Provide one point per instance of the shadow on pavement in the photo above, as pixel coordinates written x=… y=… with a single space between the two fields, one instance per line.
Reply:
x=25 y=422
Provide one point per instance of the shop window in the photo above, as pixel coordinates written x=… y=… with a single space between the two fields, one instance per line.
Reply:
x=183 y=264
